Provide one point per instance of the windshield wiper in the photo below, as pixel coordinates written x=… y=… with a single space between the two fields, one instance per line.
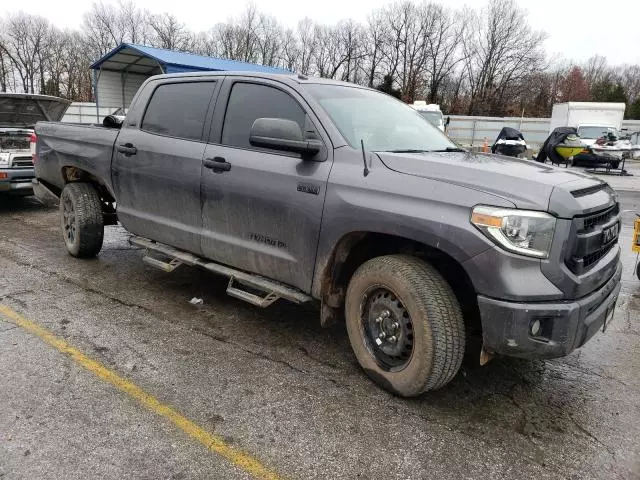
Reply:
x=408 y=150
x=415 y=150
x=450 y=149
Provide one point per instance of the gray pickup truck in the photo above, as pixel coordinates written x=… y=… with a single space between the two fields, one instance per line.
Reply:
x=316 y=190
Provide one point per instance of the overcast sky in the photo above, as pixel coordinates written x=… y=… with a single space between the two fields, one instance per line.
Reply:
x=576 y=29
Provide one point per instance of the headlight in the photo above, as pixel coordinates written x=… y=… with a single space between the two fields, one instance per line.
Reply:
x=519 y=231
x=4 y=158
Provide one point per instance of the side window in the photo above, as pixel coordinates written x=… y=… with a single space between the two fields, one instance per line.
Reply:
x=178 y=109
x=249 y=101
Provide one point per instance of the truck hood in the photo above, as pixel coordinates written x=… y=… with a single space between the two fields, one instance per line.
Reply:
x=24 y=110
x=526 y=183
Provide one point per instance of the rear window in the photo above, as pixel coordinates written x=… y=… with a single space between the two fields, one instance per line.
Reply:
x=178 y=109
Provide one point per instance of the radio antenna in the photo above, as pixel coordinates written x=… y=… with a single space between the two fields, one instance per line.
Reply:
x=364 y=158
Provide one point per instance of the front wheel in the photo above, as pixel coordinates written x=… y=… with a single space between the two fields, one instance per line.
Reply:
x=405 y=324
x=81 y=219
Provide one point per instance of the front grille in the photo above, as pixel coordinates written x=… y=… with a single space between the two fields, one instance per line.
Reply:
x=22 y=162
x=588 y=243
x=592 y=221
x=592 y=258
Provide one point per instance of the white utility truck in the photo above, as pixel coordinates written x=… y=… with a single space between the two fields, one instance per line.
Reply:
x=592 y=119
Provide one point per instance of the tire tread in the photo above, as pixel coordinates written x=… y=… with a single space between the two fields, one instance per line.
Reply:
x=90 y=219
x=439 y=307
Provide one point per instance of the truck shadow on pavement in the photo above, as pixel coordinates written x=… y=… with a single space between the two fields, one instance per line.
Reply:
x=12 y=204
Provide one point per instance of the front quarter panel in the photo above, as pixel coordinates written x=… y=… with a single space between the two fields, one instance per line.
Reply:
x=432 y=212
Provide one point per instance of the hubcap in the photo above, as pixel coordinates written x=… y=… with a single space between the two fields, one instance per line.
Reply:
x=387 y=328
x=68 y=220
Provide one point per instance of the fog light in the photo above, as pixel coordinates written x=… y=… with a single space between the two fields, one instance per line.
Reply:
x=535 y=327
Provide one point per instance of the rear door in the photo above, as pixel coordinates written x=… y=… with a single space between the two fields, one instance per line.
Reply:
x=263 y=214
x=157 y=163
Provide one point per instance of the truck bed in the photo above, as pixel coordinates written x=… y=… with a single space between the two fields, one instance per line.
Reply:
x=62 y=145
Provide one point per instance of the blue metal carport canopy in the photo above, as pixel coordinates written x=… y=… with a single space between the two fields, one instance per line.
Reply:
x=140 y=59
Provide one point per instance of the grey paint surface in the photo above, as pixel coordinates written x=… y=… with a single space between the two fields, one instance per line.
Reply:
x=426 y=198
x=164 y=171
x=278 y=386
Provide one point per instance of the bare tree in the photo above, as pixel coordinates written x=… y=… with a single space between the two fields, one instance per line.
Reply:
x=595 y=69
x=308 y=43
x=168 y=32
x=269 y=38
x=444 y=35
x=629 y=78
x=405 y=52
x=501 y=50
x=6 y=69
x=78 y=54
x=24 y=44
x=351 y=51
x=290 y=51
x=247 y=27
x=134 y=23
x=374 y=42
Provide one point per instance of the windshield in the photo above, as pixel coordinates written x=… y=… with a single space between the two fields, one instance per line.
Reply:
x=434 y=117
x=595 y=131
x=379 y=120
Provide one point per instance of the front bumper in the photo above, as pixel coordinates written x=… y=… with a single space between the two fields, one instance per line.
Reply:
x=16 y=181
x=564 y=326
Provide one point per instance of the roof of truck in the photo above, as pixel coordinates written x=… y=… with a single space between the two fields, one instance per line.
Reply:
x=290 y=77
x=146 y=60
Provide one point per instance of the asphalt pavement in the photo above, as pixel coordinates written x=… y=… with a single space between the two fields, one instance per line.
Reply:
x=271 y=388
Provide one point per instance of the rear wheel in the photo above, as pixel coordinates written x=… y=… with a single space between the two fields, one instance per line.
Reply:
x=81 y=219
x=405 y=324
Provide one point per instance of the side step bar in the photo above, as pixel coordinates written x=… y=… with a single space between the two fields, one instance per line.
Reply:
x=165 y=266
x=272 y=290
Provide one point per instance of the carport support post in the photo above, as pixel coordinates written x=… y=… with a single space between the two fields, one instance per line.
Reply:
x=96 y=78
x=123 y=79
x=473 y=134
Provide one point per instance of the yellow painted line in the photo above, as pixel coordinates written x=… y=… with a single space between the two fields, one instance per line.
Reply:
x=213 y=442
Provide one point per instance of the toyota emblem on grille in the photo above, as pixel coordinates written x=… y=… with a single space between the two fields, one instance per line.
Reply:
x=610 y=234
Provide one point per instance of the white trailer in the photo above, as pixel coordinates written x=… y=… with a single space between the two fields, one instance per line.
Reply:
x=592 y=119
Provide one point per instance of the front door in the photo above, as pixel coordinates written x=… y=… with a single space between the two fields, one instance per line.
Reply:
x=262 y=210
x=157 y=166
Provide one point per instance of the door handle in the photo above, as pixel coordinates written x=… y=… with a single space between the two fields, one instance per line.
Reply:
x=217 y=164
x=127 y=149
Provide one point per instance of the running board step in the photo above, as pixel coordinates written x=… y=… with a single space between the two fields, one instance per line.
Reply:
x=164 y=266
x=273 y=290
x=251 y=298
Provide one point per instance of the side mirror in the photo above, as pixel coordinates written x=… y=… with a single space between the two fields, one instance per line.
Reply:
x=281 y=134
x=448 y=121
